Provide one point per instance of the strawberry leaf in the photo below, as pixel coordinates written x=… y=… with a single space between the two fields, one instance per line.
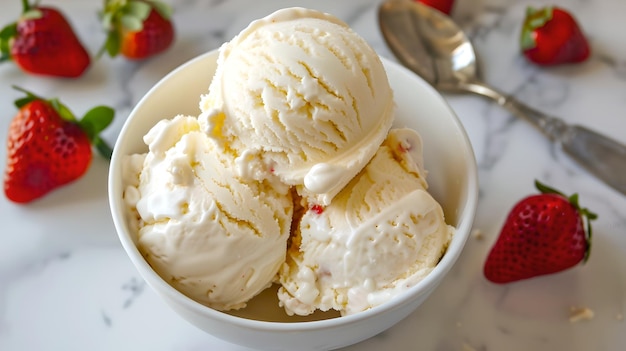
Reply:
x=96 y=120
x=573 y=199
x=27 y=99
x=112 y=44
x=138 y=9
x=162 y=8
x=591 y=215
x=132 y=23
x=19 y=103
x=544 y=189
x=25 y=6
x=134 y=14
x=535 y=18
x=107 y=21
x=63 y=110
x=538 y=18
x=527 y=40
x=31 y=14
x=588 y=252
x=6 y=34
x=103 y=148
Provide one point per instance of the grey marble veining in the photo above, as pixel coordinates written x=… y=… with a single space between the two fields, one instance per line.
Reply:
x=66 y=284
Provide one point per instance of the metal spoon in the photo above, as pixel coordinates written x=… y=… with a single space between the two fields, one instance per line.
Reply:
x=429 y=43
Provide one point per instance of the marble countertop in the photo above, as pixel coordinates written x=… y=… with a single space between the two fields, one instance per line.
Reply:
x=66 y=283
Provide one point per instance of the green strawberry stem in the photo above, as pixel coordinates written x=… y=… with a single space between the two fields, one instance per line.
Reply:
x=535 y=18
x=126 y=15
x=587 y=215
x=95 y=121
x=6 y=34
x=103 y=148
x=92 y=123
x=30 y=11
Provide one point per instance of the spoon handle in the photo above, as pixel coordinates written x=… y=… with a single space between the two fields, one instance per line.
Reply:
x=599 y=154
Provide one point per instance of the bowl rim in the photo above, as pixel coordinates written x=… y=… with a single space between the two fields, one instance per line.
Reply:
x=463 y=228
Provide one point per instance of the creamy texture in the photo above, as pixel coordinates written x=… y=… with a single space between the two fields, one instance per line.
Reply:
x=300 y=98
x=381 y=235
x=218 y=239
x=296 y=120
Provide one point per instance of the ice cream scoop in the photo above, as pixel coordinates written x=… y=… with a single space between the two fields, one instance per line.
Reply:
x=299 y=97
x=381 y=235
x=213 y=236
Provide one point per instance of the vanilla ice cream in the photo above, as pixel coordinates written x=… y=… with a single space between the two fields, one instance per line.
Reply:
x=300 y=97
x=381 y=235
x=297 y=119
x=216 y=238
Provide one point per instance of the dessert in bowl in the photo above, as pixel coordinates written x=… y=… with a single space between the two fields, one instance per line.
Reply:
x=282 y=286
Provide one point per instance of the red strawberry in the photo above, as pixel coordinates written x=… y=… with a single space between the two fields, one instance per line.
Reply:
x=47 y=147
x=43 y=42
x=444 y=6
x=317 y=209
x=137 y=28
x=551 y=36
x=542 y=234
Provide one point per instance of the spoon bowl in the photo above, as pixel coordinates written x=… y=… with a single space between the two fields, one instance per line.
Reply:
x=432 y=45
x=441 y=53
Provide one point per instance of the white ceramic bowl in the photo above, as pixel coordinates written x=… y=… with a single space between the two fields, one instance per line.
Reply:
x=452 y=176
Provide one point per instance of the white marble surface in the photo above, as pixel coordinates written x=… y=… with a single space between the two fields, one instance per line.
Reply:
x=66 y=283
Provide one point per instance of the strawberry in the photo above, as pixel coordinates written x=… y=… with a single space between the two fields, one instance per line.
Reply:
x=137 y=29
x=317 y=209
x=47 y=147
x=444 y=6
x=43 y=42
x=543 y=234
x=551 y=36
